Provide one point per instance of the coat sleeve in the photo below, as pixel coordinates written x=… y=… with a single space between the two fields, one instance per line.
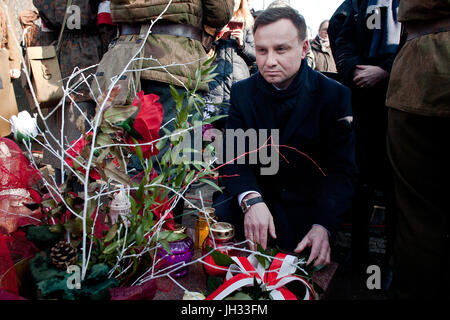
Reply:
x=237 y=178
x=217 y=14
x=347 y=56
x=248 y=51
x=341 y=172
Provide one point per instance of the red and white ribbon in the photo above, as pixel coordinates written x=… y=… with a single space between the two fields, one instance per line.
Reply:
x=280 y=273
x=104 y=13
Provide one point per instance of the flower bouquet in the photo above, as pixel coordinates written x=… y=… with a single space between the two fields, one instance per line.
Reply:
x=100 y=228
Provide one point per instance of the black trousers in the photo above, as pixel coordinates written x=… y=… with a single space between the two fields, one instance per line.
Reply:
x=418 y=150
x=370 y=120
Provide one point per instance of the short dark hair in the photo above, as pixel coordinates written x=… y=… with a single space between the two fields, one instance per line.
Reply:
x=274 y=14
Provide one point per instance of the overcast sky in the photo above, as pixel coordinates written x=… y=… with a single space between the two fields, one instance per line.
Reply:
x=314 y=11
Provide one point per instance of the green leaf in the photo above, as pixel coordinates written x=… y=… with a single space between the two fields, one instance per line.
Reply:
x=108 y=128
x=111 y=233
x=138 y=149
x=104 y=139
x=139 y=234
x=165 y=158
x=119 y=113
x=112 y=172
x=102 y=155
x=180 y=177
x=183 y=115
x=265 y=262
x=161 y=144
x=166 y=246
x=209 y=60
x=140 y=191
x=109 y=249
x=163 y=235
x=158 y=179
x=173 y=236
x=220 y=258
x=189 y=177
x=212 y=184
x=209 y=77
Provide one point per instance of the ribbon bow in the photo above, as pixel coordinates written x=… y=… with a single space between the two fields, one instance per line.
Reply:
x=280 y=272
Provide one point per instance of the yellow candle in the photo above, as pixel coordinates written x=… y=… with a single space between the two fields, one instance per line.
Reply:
x=201 y=225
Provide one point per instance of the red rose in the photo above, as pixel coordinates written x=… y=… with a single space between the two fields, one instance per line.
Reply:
x=148 y=121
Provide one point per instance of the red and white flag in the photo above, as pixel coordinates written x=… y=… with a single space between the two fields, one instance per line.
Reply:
x=104 y=13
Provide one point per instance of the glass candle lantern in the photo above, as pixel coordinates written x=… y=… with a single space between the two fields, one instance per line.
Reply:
x=205 y=219
x=120 y=205
x=221 y=236
x=182 y=251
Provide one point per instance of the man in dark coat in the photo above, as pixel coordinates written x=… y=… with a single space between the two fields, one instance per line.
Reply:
x=300 y=202
x=365 y=50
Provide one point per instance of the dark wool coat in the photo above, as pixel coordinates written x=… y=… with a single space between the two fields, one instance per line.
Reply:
x=314 y=116
x=353 y=46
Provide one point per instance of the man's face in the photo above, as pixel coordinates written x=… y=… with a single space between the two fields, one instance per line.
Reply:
x=279 y=52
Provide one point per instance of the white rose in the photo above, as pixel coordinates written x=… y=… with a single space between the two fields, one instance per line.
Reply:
x=23 y=126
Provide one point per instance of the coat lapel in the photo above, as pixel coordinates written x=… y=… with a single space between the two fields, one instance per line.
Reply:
x=305 y=101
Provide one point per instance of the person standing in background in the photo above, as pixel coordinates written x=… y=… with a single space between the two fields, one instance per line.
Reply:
x=9 y=69
x=235 y=53
x=418 y=131
x=365 y=50
x=80 y=47
x=320 y=46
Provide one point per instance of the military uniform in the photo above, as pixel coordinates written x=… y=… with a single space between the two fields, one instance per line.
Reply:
x=80 y=47
x=418 y=133
x=185 y=48
x=166 y=48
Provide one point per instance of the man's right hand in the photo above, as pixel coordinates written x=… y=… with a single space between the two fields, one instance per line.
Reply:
x=258 y=222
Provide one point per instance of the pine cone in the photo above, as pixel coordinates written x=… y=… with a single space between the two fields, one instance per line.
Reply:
x=63 y=255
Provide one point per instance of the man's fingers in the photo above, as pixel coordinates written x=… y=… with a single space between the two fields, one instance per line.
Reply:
x=302 y=245
x=324 y=255
x=249 y=236
x=315 y=251
x=272 y=228
x=263 y=237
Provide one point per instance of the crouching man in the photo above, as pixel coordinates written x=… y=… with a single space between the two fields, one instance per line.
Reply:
x=309 y=119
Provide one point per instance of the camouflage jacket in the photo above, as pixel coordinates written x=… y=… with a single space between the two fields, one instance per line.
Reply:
x=81 y=44
x=186 y=53
x=420 y=81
